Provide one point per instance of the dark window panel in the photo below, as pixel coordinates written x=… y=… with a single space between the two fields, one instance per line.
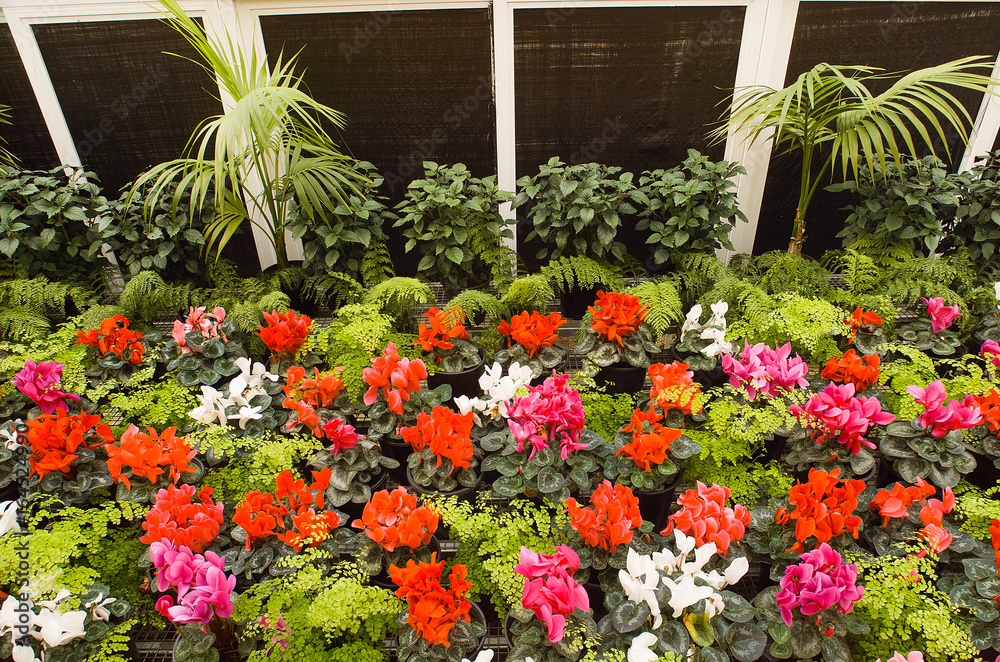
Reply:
x=415 y=85
x=996 y=143
x=897 y=36
x=28 y=136
x=129 y=104
x=629 y=87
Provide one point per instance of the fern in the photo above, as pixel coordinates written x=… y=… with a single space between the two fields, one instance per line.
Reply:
x=376 y=264
x=780 y=271
x=532 y=292
x=399 y=297
x=146 y=296
x=663 y=301
x=696 y=274
x=566 y=273
x=471 y=303
x=335 y=286
x=94 y=315
x=248 y=315
x=23 y=324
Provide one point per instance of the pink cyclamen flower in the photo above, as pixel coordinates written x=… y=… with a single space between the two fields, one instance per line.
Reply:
x=198 y=320
x=203 y=589
x=941 y=315
x=341 y=435
x=837 y=414
x=549 y=412
x=761 y=369
x=820 y=581
x=939 y=418
x=550 y=591
x=912 y=656
x=40 y=382
x=991 y=352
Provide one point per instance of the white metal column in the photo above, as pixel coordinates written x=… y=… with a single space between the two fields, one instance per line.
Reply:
x=503 y=86
x=984 y=132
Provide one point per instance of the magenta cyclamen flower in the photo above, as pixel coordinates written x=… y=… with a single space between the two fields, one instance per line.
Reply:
x=990 y=351
x=818 y=582
x=40 y=382
x=941 y=315
x=547 y=412
x=761 y=369
x=939 y=418
x=550 y=591
x=912 y=656
x=837 y=414
x=203 y=589
x=199 y=320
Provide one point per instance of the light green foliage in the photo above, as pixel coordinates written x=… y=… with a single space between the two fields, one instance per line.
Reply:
x=113 y=646
x=663 y=301
x=400 y=298
x=737 y=428
x=490 y=542
x=333 y=288
x=58 y=552
x=58 y=346
x=219 y=440
x=751 y=484
x=607 y=413
x=116 y=563
x=27 y=304
x=147 y=295
x=159 y=405
x=271 y=454
x=323 y=606
x=906 y=612
x=697 y=273
x=779 y=271
x=975 y=509
x=473 y=303
x=530 y=292
x=915 y=368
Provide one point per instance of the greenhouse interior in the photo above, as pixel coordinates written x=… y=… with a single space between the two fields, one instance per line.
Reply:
x=499 y=330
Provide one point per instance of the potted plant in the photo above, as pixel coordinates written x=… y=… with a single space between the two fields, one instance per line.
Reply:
x=674 y=597
x=158 y=459
x=252 y=400
x=617 y=343
x=934 y=334
x=491 y=411
x=459 y=361
x=808 y=616
x=901 y=507
x=356 y=463
x=546 y=451
x=393 y=530
x=203 y=348
x=531 y=341
x=40 y=383
x=456 y=219
x=690 y=209
x=553 y=621
x=120 y=350
x=866 y=330
x=702 y=344
x=930 y=446
x=438 y=624
x=604 y=531
x=444 y=459
x=284 y=335
x=834 y=426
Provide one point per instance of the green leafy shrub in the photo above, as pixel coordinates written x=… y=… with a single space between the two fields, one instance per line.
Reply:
x=689 y=208
x=977 y=219
x=47 y=217
x=271 y=454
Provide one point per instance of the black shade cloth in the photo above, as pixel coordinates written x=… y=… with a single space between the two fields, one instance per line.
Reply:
x=630 y=87
x=415 y=85
x=28 y=136
x=896 y=36
x=130 y=105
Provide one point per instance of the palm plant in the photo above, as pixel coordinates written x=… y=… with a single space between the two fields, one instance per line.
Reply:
x=6 y=156
x=270 y=148
x=830 y=108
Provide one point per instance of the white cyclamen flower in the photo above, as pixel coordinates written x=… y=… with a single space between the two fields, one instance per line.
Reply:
x=691 y=322
x=639 y=581
x=247 y=413
x=211 y=410
x=484 y=656
x=737 y=569
x=719 y=310
x=56 y=629
x=640 y=651
x=8 y=521
x=9 y=439
x=520 y=374
x=254 y=375
x=702 y=555
x=466 y=404
x=685 y=592
x=24 y=654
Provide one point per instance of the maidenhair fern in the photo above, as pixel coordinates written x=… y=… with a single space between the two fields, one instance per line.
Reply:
x=663 y=301
x=582 y=272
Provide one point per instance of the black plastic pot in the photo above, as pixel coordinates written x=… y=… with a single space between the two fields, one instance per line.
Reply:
x=575 y=301
x=596 y=596
x=985 y=474
x=398 y=450
x=654 y=506
x=774 y=448
x=887 y=474
x=947 y=369
x=621 y=377
x=464 y=493
x=465 y=382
